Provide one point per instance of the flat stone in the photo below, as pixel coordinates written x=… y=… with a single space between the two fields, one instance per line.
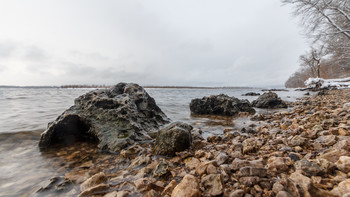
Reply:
x=187 y=187
x=101 y=188
x=307 y=167
x=93 y=181
x=212 y=185
x=169 y=188
x=343 y=163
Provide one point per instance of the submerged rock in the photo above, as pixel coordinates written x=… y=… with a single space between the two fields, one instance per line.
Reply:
x=251 y=94
x=173 y=138
x=114 y=118
x=220 y=105
x=269 y=100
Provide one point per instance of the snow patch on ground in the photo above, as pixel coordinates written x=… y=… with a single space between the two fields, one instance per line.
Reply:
x=319 y=83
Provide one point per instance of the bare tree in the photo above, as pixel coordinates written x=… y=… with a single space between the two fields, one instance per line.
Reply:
x=327 y=24
x=323 y=18
x=312 y=60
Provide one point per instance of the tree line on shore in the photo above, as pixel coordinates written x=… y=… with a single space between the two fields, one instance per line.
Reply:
x=327 y=26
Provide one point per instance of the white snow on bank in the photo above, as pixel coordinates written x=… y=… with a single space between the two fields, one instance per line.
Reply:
x=327 y=83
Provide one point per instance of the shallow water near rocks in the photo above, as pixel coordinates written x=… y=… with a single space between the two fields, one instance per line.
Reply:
x=25 y=113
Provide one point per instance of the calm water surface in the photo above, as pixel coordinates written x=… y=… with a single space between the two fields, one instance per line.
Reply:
x=25 y=113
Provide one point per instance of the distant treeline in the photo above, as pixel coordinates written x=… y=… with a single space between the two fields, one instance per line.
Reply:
x=85 y=86
x=195 y=87
x=152 y=86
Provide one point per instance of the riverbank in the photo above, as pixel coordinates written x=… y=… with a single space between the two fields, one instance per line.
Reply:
x=300 y=152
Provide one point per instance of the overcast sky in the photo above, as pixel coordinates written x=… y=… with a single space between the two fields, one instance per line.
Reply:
x=150 y=42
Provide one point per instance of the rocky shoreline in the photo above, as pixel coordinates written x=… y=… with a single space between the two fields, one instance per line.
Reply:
x=301 y=152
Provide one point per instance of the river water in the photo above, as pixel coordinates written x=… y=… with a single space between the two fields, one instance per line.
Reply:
x=25 y=113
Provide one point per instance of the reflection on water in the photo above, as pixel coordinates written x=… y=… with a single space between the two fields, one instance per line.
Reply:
x=24 y=169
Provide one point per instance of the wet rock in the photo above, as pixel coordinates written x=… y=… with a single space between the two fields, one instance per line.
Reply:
x=279 y=164
x=174 y=138
x=140 y=160
x=269 y=100
x=238 y=164
x=98 y=189
x=93 y=181
x=298 y=141
x=114 y=118
x=317 y=128
x=342 y=189
x=212 y=185
x=327 y=140
x=221 y=158
x=115 y=194
x=333 y=155
x=202 y=167
x=220 y=105
x=250 y=145
x=211 y=169
x=283 y=194
x=152 y=193
x=252 y=171
x=249 y=181
x=141 y=184
x=251 y=94
x=287 y=185
x=343 y=132
x=187 y=187
x=307 y=167
x=325 y=165
x=131 y=152
x=162 y=169
x=237 y=193
x=295 y=156
x=214 y=139
x=192 y=163
x=307 y=187
x=343 y=163
x=169 y=188
x=56 y=184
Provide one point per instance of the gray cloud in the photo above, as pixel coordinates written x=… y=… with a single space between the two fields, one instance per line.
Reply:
x=197 y=42
x=6 y=49
x=34 y=53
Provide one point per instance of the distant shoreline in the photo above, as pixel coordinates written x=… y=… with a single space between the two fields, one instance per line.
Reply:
x=105 y=86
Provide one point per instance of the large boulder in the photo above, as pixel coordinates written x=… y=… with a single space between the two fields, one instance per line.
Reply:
x=220 y=105
x=174 y=138
x=269 y=100
x=114 y=118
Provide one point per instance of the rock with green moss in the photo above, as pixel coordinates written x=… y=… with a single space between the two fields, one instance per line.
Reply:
x=174 y=138
x=114 y=118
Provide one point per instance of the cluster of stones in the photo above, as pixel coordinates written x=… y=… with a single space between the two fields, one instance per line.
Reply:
x=302 y=152
x=230 y=106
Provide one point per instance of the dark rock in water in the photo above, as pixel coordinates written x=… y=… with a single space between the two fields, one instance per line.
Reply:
x=275 y=90
x=173 y=138
x=220 y=105
x=114 y=118
x=269 y=100
x=251 y=94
